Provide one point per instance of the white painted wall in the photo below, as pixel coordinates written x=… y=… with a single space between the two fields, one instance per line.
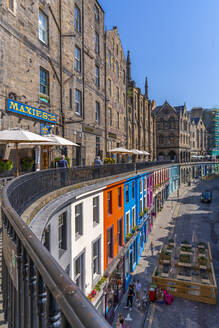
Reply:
x=90 y=233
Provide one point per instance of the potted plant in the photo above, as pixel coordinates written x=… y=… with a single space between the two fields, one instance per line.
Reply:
x=146 y=209
x=5 y=165
x=166 y=255
x=141 y=214
x=170 y=241
x=185 y=258
x=128 y=236
x=202 y=260
x=134 y=228
x=201 y=250
x=27 y=163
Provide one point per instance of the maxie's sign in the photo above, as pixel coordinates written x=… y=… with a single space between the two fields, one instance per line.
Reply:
x=39 y=114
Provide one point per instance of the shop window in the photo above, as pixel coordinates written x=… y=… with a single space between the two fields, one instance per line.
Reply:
x=96 y=210
x=43 y=27
x=78 y=100
x=79 y=266
x=77 y=59
x=44 y=85
x=62 y=242
x=133 y=190
x=78 y=220
x=77 y=19
x=119 y=197
x=133 y=217
x=96 y=258
x=127 y=223
x=127 y=193
x=109 y=202
x=110 y=243
x=120 y=232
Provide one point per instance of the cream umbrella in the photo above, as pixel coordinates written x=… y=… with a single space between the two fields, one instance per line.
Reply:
x=59 y=140
x=18 y=136
x=120 y=150
x=137 y=152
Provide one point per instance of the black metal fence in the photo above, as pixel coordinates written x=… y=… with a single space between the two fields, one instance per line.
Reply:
x=37 y=293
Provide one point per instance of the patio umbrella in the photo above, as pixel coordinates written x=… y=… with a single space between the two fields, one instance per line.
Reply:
x=18 y=136
x=59 y=140
x=145 y=152
x=120 y=151
x=136 y=152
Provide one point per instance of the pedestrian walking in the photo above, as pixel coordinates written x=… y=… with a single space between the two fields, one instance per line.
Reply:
x=97 y=161
x=152 y=248
x=63 y=164
x=131 y=294
x=138 y=290
x=120 y=321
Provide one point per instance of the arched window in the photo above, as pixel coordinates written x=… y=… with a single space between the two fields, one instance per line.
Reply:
x=185 y=125
x=171 y=123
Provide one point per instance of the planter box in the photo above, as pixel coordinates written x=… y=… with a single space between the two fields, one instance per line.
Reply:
x=185 y=253
x=188 y=265
x=179 y=276
x=185 y=245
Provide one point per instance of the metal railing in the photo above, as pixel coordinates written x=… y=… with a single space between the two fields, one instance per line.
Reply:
x=36 y=290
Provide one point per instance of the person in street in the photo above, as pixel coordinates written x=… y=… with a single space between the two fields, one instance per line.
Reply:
x=97 y=161
x=138 y=290
x=63 y=164
x=152 y=248
x=121 y=321
x=131 y=294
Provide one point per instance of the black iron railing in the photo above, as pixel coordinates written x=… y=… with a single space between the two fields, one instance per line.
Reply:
x=36 y=291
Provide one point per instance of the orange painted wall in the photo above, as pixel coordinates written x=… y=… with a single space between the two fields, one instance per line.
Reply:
x=112 y=219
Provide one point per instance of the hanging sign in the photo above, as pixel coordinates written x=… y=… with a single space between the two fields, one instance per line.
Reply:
x=26 y=110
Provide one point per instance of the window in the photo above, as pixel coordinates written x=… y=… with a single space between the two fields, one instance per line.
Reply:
x=10 y=4
x=110 y=117
x=96 y=257
x=70 y=98
x=62 y=231
x=133 y=217
x=117 y=69
x=97 y=43
x=161 y=140
x=145 y=183
x=123 y=99
x=46 y=237
x=127 y=193
x=78 y=220
x=96 y=210
x=97 y=76
x=44 y=85
x=110 y=242
x=141 y=205
x=77 y=21
x=109 y=59
x=109 y=202
x=120 y=234
x=124 y=76
x=133 y=190
x=97 y=113
x=117 y=94
x=118 y=121
x=77 y=59
x=79 y=272
x=96 y=14
x=141 y=185
x=145 y=201
x=127 y=223
x=119 y=197
x=97 y=146
x=43 y=27
x=109 y=88
x=78 y=102
x=117 y=50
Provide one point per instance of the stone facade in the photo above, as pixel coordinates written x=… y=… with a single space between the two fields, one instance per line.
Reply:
x=140 y=122
x=115 y=91
x=198 y=137
x=172 y=133
x=24 y=52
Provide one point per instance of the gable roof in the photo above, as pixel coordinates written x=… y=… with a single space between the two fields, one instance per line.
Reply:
x=159 y=108
x=195 y=120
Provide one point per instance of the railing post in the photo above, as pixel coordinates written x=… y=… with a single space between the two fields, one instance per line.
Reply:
x=26 y=303
x=32 y=289
x=41 y=301
x=20 y=309
x=54 y=314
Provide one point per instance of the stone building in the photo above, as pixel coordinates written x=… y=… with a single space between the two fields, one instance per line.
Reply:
x=198 y=137
x=172 y=132
x=52 y=65
x=115 y=91
x=140 y=122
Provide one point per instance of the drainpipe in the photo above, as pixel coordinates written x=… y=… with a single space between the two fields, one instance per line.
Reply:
x=105 y=85
x=60 y=65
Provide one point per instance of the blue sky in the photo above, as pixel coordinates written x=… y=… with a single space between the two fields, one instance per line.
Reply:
x=173 y=42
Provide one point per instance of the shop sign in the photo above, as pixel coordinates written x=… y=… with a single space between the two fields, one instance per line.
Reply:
x=90 y=129
x=26 y=110
x=111 y=135
x=44 y=129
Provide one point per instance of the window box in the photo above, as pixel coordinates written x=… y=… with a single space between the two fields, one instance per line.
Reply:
x=44 y=98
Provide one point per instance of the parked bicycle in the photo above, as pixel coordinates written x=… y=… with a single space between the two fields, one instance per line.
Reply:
x=143 y=304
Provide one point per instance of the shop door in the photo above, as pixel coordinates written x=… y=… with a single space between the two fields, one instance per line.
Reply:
x=45 y=157
x=78 y=155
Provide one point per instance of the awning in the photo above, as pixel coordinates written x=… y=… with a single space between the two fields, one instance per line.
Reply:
x=112 y=266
